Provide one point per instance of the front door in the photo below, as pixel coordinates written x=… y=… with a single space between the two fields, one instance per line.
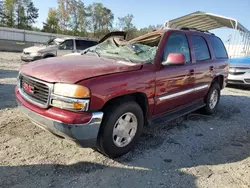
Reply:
x=66 y=47
x=174 y=83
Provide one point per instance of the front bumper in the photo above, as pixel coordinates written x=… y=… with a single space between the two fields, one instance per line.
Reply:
x=27 y=58
x=243 y=79
x=83 y=134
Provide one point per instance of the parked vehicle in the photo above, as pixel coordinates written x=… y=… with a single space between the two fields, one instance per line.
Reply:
x=56 y=47
x=239 y=71
x=117 y=35
x=104 y=98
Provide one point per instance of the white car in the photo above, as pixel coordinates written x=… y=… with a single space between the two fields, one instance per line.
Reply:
x=57 y=47
x=239 y=71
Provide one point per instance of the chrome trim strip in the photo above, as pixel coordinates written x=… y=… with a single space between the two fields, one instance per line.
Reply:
x=183 y=92
x=85 y=102
x=96 y=117
x=25 y=96
x=176 y=94
x=201 y=87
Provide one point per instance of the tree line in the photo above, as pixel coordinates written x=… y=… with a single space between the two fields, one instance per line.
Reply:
x=71 y=17
x=21 y=14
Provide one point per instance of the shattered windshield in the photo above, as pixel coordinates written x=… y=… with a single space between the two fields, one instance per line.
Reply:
x=133 y=52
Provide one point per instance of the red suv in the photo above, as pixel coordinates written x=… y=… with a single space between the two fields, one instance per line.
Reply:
x=104 y=97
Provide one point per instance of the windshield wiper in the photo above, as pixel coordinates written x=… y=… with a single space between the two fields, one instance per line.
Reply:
x=116 y=53
x=93 y=51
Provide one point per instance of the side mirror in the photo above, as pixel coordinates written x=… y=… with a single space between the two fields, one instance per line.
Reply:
x=175 y=59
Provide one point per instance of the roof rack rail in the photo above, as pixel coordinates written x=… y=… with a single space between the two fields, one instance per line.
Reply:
x=194 y=29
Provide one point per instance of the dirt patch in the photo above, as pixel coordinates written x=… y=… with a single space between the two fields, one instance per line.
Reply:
x=197 y=151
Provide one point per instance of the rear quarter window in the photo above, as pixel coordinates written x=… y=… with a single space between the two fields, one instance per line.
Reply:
x=218 y=48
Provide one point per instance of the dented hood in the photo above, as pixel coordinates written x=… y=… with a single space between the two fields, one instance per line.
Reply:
x=71 y=69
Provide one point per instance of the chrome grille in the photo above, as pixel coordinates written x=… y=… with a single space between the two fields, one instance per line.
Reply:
x=235 y=81
x=35 y=91
x=237 y=73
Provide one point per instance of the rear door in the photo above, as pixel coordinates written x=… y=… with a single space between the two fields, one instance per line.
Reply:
x=174 y=82
x=66 y=47
x=203 y=65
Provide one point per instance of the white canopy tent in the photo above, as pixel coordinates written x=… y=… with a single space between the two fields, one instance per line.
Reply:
x=239 y=43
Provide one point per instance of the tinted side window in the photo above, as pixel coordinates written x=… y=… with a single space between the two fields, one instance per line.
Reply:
x=66 y=45
x=83 y=44
x=218 y=47
x=200 y=47
x=177 y=43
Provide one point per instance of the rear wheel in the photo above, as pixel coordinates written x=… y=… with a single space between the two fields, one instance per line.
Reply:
x=212 y=99
x=122 y=125
x=49 y=56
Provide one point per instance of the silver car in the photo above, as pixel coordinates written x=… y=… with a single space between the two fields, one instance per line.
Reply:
x=239 y=71
x=56 y=47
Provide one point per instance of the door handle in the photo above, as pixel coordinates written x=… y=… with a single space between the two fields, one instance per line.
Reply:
x=211 y=68
x=191 y=72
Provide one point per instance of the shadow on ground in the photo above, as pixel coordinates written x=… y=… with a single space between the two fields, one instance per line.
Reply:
x=241 y=87
x=87 y=174
x=8 y=73
x=7 y=96
x=164 y=169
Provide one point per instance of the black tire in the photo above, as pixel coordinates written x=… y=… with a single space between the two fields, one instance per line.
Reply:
x=207 y=109
x=105 y=143
x=46 y=57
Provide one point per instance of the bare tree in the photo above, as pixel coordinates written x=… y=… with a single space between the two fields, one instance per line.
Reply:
x=125 y=23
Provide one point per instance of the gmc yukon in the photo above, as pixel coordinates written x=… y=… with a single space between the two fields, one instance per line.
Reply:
x=104 y=97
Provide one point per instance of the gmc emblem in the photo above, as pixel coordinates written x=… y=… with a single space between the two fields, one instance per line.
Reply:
x=28 y=88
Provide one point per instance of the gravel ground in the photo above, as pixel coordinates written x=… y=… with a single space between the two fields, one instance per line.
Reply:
x=200 y=151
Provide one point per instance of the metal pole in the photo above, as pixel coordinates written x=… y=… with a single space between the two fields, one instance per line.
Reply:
x=24 y=36
x=234 y=38
x=239 y=45
x=231 y=38
x=229 y=45
x=236 y=27
x=248 y=44
x=234 y=44
x=230 y=50
x=245 y=43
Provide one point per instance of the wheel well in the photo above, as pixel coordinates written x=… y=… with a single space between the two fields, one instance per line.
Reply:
x=138 y=97
x=219 y=79
x=49 y=55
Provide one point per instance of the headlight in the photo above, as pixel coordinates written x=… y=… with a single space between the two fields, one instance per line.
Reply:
x=71 y=90
x=35 y=54
x=70 y=96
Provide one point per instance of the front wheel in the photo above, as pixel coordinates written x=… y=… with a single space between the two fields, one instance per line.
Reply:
x=212 y=99
x=122 y=125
